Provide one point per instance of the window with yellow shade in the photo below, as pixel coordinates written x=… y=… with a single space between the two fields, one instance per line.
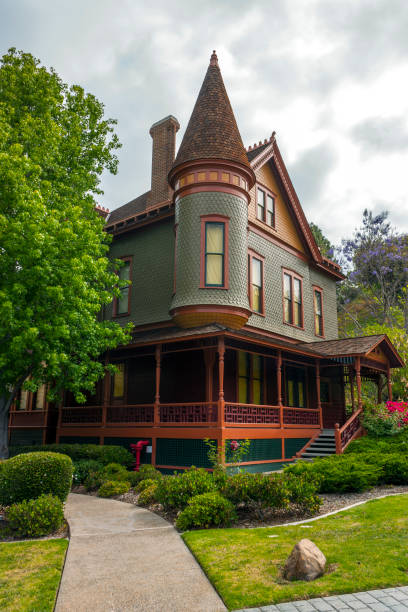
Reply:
x=214 y=254
x=250 y=378
x=118 y=387
x=295 y=387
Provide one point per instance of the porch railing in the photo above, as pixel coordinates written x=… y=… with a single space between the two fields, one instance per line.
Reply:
x=190 y=414
x=350 y=430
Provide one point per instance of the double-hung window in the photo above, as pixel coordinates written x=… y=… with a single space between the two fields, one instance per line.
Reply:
x=265 y=206
x=292 y=299
x=214 y=252
x=250 y=378
x=256 y=282
x=318 y=311
x=122 y=303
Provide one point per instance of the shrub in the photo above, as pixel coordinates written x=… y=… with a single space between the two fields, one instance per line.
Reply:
x=110 y=472
x=29 y=476
x=83 y=468
x=144 y=484
x=113 y=487
x=148 y=495
x=206 y=510
x=339 y=473
x=146 y=471
x=269 y=490
x=36 y=517
x=380 y=422
x=175 y=491
x=77 y=452
x=303 y=492
x=394 y=467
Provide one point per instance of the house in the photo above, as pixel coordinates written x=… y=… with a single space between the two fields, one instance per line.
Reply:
x=234 y=309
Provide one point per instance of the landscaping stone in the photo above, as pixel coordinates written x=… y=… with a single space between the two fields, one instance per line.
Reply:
x=305 y=562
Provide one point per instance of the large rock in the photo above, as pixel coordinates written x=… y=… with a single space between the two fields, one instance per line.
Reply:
x=305 y=562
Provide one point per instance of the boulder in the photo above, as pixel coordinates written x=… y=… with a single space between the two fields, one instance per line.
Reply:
x=305 y=562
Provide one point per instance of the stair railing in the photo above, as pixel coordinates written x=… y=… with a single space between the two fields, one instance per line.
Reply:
x=350 y=430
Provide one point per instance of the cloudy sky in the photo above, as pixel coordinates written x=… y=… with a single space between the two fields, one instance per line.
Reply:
x=330 y=76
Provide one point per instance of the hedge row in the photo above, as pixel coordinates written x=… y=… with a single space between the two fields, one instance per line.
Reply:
x=78 y=452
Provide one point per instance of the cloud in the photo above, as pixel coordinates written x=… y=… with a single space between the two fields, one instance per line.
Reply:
x=310 y=172
x=381 y=135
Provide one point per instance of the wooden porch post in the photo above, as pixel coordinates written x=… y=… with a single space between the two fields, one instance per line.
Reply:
x=279 y=386
x=358 y=378
x=351 y=375
x=221 y=401
x=319 y=403
x=379 y=389
x=389 y=385
x=157 y=394
x=105 y=399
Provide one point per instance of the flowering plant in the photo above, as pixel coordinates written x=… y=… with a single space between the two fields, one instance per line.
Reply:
x=379 y=421
x=400 y=409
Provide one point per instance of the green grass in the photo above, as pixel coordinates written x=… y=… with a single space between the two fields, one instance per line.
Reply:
x=30 y=573
x=366 y=548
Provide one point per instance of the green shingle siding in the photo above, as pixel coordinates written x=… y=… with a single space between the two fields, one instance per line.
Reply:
x=260 y=450
x=188 y=216
x=277 y=258
x=152 y=251
x=26 y=437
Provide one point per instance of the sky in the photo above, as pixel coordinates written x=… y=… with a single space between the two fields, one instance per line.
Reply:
x=329 y=76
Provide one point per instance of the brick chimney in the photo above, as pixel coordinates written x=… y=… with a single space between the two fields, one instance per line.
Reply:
x=164 y=149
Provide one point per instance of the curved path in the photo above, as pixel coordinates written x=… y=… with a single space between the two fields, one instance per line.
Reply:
x=123 y=558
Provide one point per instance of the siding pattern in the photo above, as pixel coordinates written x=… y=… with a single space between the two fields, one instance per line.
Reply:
x=188 y=212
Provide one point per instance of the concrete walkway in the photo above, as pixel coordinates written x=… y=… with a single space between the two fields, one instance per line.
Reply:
x=123 y=558
x=379 y=600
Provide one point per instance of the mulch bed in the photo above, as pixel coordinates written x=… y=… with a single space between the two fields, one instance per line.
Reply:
x=269 y=517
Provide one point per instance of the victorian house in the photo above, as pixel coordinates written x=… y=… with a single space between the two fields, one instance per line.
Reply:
x=234 y=310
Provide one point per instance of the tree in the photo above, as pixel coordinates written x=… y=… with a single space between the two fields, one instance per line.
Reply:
x=378 y=258
x=55 y=276
x=324 y=244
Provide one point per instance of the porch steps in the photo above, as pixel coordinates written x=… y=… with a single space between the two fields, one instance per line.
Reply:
x=323 y=446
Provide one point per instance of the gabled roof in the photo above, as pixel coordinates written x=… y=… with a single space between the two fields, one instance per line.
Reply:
x=268 y=151
x=212 y=132
x=362 y=346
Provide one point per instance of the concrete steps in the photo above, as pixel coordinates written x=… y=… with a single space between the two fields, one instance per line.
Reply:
x=323 y=446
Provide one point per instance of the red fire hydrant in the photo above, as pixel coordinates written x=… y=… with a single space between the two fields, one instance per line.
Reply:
x=137 y=450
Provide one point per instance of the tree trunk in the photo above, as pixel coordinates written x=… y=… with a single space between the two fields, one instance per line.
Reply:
x=5 y=403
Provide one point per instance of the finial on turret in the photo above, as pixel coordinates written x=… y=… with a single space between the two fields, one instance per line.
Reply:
x=214 y=59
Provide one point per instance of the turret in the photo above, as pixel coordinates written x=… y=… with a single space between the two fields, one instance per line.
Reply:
x=211 y=177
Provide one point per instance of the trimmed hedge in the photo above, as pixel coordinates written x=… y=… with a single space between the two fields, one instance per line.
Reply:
x=36 y=517
x=113 y=487
x=34 y=474
x=175 y=491
x=77 y=452
x=207 y=510
x=83 y=468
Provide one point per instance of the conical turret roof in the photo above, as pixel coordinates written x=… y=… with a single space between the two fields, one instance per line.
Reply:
x=212 y=131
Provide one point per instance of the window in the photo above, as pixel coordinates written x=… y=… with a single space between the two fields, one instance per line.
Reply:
x=256 y=282
x=265 y=206
x=295 y=387
x=250 y=378
x=122 y=303
x=118 y=384
x=38 y=401
x=292 y=299
x=318 y=311
x=214 y=252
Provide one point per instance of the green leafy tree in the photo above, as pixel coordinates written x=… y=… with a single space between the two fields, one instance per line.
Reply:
x=55 y=276
x=324 y=244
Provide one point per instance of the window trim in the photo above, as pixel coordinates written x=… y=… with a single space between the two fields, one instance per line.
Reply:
x=293 y=275
x=214 y=219
x=116 y=300
x=267 y=192
x=317 y=289
x=254 y=255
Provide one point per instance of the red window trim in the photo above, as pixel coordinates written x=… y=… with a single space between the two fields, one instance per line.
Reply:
x=115 y=301
x=254 y=255
x=293 y=275
x=215 y=219
x=175 y=258
x=319 y=290
x=267 y=192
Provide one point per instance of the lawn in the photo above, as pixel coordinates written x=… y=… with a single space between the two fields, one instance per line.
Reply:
x=30 y=573
x=366 y=548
